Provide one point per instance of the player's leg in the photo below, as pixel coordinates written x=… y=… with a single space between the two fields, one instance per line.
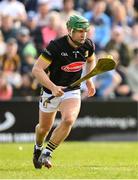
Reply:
x=47 y=115
x=42 y=129
x=70 y=109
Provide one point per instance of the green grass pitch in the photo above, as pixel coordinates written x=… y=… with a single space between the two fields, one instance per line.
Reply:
x=73 y=160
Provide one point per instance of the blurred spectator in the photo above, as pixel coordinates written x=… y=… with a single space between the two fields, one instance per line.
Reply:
x=13 y=8
x=30 y=5
x=27 y=89
x=132 y=38
x=106 y=83
x=49 y=32
x=109 y=4
x=117 y=43
x=44 y=34
x=0 y=20
x=6 y=91
x=42 y=13
x=119 y=15
x=38 y=39
x=10 y=61
x=68 y=10
x=123 y=89
x=31 y=23
x=62 y=30
x=81 y=5
x=29 y=61
x=26 y=47
x=55 y=5
x=136 y=6
x=2 y=44
x=121 y=12
x=132 y=75
x=7 y=27
x=89 y=5
x=91 y=32
x=130 y=11
x=101 y=22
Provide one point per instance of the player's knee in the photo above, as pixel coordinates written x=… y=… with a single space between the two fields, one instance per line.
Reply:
x=69 y=120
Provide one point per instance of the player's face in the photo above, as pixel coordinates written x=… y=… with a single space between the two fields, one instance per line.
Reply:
x=79 y=36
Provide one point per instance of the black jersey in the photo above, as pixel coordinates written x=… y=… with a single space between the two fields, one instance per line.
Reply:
x=66 y=61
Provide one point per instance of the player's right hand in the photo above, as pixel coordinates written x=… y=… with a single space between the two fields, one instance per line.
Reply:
x=57 y=91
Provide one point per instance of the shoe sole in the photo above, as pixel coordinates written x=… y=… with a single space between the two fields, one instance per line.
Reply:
x=37 y=165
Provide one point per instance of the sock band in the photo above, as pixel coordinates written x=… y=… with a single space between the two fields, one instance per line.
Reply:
x=51 y=146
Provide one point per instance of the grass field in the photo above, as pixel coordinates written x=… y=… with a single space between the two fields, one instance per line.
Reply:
x=72 y=160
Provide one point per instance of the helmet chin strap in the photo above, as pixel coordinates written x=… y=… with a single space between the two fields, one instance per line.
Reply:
x=77 y=43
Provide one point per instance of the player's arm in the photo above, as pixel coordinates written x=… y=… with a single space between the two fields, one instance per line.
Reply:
x=90 y=64
x=38 y=71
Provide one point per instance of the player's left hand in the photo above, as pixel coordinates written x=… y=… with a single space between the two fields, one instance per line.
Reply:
x=90 y=88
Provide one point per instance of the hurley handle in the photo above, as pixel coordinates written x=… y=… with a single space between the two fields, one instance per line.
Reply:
x=52 y=97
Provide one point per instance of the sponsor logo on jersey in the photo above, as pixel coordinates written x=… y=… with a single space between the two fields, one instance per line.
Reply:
x=73 y=67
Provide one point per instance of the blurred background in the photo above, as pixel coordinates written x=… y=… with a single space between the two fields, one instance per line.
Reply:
x=26 y=27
